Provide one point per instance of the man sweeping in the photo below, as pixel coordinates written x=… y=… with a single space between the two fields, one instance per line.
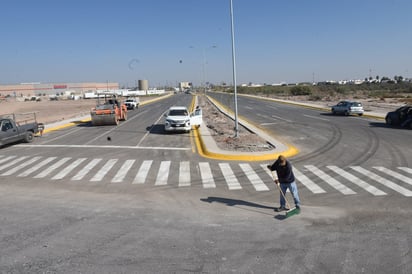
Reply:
x=285 y=181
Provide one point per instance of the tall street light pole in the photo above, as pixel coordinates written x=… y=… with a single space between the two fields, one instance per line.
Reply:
x=204 y=66
x=234 y=68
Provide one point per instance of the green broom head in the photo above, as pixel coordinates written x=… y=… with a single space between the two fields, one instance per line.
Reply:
x=292 y=211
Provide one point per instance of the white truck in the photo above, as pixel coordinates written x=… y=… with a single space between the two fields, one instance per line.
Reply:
x=132 y=103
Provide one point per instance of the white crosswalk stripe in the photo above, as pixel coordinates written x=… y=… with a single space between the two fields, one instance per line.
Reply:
x=254 y=179
x=129 y=172
x=184 y=174
x=67 y=170
x=29 y=171
x=83 y=172
x=163 y=174
x=394 y=174
x=302 y=178
x=51 y=168
x=369 y=188
x=143 y=171
x=206 y=175
x=21 y=166
x=121 y=174
x=104 y=170
x=383 y=181
x=15 y=161
x=406 y=169
x=331 y=181
x=231 y=180
x=7 y=159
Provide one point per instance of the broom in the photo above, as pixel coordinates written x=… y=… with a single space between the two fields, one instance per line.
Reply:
x=290 y=211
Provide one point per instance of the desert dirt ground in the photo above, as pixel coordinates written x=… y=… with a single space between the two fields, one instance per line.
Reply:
x=50 y=111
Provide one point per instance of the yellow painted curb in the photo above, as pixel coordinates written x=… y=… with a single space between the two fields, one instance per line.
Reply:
x=203 y=151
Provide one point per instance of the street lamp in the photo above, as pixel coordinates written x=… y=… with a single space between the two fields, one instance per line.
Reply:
x=234 y=68
x=203 y=84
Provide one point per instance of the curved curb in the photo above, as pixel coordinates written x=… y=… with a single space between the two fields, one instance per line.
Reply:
x=239 y=156
x=203 y=151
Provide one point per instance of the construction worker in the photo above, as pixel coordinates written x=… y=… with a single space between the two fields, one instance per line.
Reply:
x=286 y=180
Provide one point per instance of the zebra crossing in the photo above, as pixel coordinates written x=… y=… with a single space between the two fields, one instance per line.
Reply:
x=376 y=181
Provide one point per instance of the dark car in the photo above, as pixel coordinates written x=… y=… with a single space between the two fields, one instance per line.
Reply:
x=400 y=117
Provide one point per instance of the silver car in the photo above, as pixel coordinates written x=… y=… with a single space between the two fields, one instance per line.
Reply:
x=348 y=108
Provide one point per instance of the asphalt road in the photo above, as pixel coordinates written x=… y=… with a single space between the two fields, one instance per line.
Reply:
x=145 y=202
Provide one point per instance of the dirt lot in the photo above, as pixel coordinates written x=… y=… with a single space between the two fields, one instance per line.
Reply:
x=50 y=111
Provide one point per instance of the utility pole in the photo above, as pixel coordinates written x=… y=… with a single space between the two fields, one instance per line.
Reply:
x=234 y=69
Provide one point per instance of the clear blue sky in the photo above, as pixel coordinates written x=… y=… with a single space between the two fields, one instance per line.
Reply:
x=167 y=41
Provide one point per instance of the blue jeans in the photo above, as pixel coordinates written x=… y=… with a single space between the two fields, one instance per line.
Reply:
x=293 y=189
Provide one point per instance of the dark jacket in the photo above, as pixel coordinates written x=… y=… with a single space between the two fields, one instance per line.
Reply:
x=285 y=173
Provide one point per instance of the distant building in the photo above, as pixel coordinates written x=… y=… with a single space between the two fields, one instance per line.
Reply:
x=35 y=89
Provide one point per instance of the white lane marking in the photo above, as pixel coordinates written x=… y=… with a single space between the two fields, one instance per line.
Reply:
x=369 y=188
x=394 y=174
x=254 y=179
x=315 y=117
x=163 y=173
x=383 y=181
x=184 y=173
x=148 y=132
x=142 y=173
x=69 y=168
x=51 y=168
x=407 y=169
x=206 y=175
x=86 y=170
x=124 y=169
x=36 y=167
x=15 y=161
x=268 y=124
x=280 y=118
x=102 y=147
x=329 y=180
x=230 y=177
x=23 y=165
x=104 y=170
x=304 y=180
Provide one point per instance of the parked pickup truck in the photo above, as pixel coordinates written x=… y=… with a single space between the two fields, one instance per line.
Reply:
x=19 y=128
x=132 y=103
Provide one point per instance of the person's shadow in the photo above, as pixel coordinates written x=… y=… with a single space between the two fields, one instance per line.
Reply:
x=236 y=202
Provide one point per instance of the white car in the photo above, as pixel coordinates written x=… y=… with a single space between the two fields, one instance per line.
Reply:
x=179 y=119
